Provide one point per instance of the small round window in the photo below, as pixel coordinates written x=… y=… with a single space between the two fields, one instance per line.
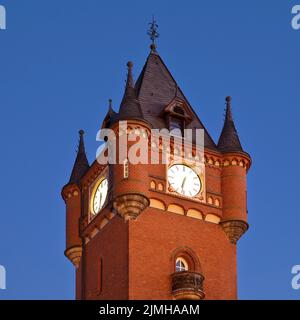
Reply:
x=181 y=265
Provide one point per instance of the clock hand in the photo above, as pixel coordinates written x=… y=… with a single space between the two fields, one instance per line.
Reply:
x=100 y=200
x=183 y=182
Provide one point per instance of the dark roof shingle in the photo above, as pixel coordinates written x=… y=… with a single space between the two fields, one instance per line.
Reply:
x=155 y=89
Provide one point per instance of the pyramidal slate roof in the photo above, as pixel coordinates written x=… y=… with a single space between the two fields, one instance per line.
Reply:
x=155 y=89
x=81 y=164
x=229 y=140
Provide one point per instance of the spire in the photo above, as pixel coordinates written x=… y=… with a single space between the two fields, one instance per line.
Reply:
x=228 y=109
x=129 y=82
x=111 y=112
x=111 y=116
x=229 y=140
x=153 y=34
x=130 y=106
x=81 y=164
x=110 y=107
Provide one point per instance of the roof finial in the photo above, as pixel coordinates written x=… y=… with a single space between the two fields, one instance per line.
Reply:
x=81 y=148
x=110 y=103
x=129 y=82
x=110 y=108
x=152 y=33
x=228 y=108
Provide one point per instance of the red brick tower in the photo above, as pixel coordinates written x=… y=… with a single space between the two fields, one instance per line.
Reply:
x=130 y=233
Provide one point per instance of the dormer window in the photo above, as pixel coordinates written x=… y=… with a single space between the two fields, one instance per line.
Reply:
x=177 y=115
x=179 y=110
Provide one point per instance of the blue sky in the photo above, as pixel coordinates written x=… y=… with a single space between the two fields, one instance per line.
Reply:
x=60 y=61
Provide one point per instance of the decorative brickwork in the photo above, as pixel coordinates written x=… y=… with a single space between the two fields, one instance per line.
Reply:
x=187 y=285
x=129 y=206
x=144 y=225
x=234 y=229
x=74 y=255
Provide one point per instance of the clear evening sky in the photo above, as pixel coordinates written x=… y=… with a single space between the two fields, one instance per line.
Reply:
x=60 y=62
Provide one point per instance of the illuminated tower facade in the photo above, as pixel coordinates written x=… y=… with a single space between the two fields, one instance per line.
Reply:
x=133 y=232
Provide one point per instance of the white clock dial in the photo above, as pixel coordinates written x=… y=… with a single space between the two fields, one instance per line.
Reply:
x=184 y=180
x=100 y=196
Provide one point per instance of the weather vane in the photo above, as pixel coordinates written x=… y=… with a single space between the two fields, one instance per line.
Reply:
x=152 y=32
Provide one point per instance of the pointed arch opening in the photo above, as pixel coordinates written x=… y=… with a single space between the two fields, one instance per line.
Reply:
x=186 y=258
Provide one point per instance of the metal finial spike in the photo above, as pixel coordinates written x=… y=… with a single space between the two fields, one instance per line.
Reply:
x=110 y=103
x=129 y=81
x=152 y=33
x=153 y=47
x=228 y=99
x=81 y=148
x=228 y=114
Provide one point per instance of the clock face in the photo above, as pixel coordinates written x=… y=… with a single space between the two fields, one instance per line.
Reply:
x=184 y=180
x=100 y=196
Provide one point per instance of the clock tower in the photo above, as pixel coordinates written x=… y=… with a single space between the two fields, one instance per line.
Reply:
x=144 y=230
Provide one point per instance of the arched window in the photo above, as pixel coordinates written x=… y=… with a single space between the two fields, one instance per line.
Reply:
x=184 y=259
x=153 y=185
x=160 y=187
x=181 y=265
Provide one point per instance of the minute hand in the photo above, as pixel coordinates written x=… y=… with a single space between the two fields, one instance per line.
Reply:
x=183 y=183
